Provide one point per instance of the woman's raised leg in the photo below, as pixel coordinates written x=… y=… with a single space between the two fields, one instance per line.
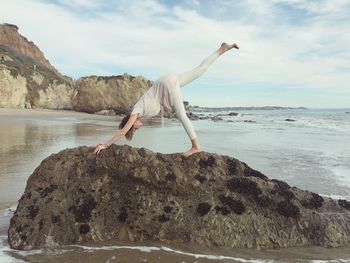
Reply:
x=188 y=76
x=175 y=93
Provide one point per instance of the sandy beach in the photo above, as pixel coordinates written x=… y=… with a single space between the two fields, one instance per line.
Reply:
x=46 y=113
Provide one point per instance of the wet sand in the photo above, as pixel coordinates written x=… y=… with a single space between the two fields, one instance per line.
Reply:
x=26 y=136
x=46 y=113
x=173 y=253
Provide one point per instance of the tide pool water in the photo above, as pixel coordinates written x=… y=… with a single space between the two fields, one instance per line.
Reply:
x=310 y=151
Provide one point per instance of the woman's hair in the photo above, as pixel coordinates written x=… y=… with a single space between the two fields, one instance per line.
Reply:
x=130 y=132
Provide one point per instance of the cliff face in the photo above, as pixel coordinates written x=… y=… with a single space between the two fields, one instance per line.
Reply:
x=10 y=37
x=13 y=91
x=27 y=79
x=26 y=84
x=134 y=194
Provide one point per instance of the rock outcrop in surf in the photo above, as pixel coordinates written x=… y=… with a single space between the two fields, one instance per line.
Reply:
x=134 y=194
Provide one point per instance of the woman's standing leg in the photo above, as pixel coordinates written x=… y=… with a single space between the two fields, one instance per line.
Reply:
x=180 y=111
x=175 y=93
x=188 y=76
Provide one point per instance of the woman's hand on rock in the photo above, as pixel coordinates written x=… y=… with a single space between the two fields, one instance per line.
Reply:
x=100 y=147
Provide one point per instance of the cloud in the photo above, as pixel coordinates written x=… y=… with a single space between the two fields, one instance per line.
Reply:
x=293 y=44
x=317 y=7
x=79 y=3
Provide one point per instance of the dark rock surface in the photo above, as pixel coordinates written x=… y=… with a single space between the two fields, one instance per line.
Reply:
x=134 y=194
x=216 y=118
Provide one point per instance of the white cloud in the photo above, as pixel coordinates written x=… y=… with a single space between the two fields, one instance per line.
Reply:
x=80 y=3
x=317 y=7
x=148 y=38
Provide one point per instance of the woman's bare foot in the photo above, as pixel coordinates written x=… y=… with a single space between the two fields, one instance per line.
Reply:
x=191 y=151
x=194 y=149
x=225 y=47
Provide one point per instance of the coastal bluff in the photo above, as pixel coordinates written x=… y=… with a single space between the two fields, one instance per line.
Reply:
x=28 y=80
x=134 y=194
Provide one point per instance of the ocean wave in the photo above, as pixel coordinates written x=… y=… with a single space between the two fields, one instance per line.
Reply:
x=335 y=121
x=167 y=249
x=331 y=261
x=8 y=211
x=4 y=248
x=336 y=197
x=326 y=124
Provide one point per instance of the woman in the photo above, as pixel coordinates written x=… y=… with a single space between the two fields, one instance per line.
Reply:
x=165 y=94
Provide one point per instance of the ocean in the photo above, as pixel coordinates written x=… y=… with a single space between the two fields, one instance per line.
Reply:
x=307 y=148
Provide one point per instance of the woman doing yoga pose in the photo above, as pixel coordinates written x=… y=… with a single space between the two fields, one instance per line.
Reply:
x=165 y=94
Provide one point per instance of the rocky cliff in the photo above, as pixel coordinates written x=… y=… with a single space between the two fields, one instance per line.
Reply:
x=28 y=80
x=26 y=84
x=10 y=37
x=119 y=93
x=134 y=194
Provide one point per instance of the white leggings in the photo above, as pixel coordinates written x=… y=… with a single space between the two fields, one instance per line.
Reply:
x=185 y=78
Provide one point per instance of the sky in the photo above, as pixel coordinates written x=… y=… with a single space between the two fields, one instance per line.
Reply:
x=293 y=53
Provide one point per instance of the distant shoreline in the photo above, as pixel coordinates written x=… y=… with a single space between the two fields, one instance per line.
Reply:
x=200 y=108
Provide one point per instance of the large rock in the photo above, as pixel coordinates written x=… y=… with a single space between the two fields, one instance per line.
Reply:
x=118 y=93
x=134 y=194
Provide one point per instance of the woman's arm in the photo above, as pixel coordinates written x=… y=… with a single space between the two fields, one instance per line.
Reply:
x=123 y=131
x=118 y=135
